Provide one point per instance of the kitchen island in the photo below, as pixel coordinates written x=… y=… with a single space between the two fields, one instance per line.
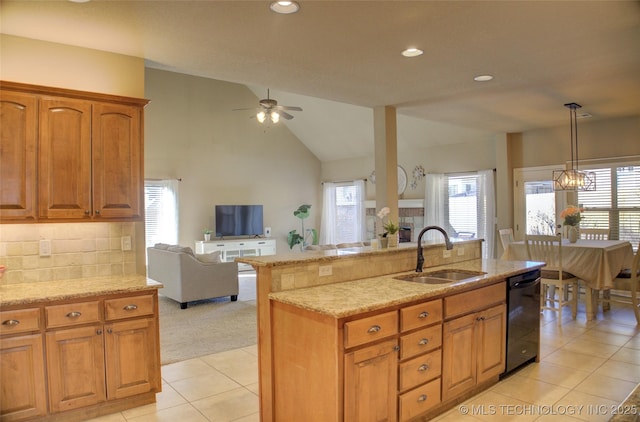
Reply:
x=341 y=339
x=77 y=349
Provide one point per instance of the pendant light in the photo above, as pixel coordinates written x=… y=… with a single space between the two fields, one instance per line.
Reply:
x=573 y=178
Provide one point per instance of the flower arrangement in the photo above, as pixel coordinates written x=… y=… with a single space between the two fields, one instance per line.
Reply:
x=571 y=215
x=389 y=227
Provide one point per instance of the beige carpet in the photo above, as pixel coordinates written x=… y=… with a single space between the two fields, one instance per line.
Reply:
x=207 y=326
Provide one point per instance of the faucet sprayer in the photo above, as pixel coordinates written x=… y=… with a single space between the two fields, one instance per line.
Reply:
x=447 y=242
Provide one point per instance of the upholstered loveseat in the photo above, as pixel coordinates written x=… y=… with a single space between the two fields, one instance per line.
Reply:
x=188 y=277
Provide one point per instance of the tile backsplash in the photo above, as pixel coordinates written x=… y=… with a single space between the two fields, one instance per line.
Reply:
x=77 y=250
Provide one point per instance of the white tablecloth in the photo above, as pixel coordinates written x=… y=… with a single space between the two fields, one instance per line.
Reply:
x=596 y=262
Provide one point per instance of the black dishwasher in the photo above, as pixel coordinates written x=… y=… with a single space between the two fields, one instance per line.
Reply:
x=523 y=321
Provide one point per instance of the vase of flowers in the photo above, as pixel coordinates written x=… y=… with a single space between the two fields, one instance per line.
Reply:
x=572 y=217
x=391 y=229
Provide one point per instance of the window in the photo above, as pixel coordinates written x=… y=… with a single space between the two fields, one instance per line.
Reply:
x=161 y=211
x=463 y=205
x=343 y=213
x=615 y=204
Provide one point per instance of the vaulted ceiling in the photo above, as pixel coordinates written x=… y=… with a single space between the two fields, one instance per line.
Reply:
x=339 y=59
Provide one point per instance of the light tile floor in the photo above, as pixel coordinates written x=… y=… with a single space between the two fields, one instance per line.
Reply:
x=586 y=369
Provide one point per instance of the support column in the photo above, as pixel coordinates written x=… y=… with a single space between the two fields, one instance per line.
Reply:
x=386 y=161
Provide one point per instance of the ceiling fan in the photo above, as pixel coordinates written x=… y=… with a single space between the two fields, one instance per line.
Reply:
x=269 y=107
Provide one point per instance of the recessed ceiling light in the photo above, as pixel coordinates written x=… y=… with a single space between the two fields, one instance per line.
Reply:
x=79 y=1
x=483 y=78
x=284 y=7
x=412 y=52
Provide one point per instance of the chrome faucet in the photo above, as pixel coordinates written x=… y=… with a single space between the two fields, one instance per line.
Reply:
x=420 y=262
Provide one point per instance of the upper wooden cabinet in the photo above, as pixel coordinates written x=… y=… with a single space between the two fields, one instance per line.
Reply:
x=89 y=155
x=18 y=135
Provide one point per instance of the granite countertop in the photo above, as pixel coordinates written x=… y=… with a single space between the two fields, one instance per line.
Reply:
x=349 y=298
x=28 y=293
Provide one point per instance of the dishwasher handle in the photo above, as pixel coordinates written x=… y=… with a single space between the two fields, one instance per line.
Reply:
x=524 y=284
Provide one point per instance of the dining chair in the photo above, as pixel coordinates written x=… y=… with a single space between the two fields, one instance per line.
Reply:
x=594 y=234
x=628 y=280
x=548 y=249
x=506 y=237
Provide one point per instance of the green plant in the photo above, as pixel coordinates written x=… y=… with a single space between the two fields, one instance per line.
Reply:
x=389 y=227
x=206 y=231
x=295 y=238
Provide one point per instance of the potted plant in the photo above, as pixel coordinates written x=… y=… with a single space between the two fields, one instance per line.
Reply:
x=390 y=235
x=295 y=238
x=207 y=234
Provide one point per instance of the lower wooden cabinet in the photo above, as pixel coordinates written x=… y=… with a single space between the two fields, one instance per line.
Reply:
x=100 y=353
x=370 y=379
x=24 y=396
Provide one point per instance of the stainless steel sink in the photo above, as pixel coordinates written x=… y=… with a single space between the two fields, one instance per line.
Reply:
x=440 y=277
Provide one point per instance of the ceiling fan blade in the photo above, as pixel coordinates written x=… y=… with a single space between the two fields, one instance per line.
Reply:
x=243 y=109
x=290 y=108
x=285 y=115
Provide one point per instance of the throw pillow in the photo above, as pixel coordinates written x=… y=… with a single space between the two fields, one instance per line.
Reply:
x=164 y=246
x=183 y=249
x=212 y=257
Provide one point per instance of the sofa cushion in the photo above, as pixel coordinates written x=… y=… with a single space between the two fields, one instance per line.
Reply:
x=212 y=257
x=164 y=246
x=183 y=249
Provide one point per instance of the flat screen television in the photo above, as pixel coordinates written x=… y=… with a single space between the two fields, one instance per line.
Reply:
x=239 y=220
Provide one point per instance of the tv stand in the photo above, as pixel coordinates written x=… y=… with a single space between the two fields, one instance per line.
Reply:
x=235 y=248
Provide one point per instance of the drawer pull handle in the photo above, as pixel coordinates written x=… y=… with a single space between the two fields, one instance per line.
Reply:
x=74 y=314
x=11 y=322
x=130 y=307
x=422 y=397
x=480 y=318
x=423 y=341
x=396 y=348
x=374 y=329
x=423 y=314
x=423 y=367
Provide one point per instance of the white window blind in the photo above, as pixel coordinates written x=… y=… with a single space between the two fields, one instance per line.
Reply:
x=161 y=212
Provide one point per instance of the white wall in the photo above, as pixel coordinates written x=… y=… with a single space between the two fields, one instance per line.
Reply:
x=224 y=156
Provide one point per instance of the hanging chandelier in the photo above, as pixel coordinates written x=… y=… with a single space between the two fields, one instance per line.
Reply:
x=573 y=178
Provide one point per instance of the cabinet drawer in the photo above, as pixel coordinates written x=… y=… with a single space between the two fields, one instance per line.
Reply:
x=474 y=300
x=421 y=369
x=420 y=315
x=420 y=400
x=421 y=341
x=365 y=330
x=72 y=314
x=127 y=307
x=19 y=321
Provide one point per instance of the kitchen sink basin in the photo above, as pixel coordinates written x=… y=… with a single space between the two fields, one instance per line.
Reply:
x=440 y=277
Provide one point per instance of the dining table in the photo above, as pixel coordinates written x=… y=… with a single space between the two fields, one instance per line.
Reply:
x=596 y=263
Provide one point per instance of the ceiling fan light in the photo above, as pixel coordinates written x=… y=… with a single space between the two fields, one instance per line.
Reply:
x=284 y=7
x=261 y=116
x=275 y=117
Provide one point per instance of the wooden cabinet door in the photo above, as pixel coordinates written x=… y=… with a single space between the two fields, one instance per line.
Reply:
x=75 y=365
x=64 y=164
x=370 y=384
x=492 y=325
x=23 y=393
x=18 y=123
x=117 y=161
x=458 y=356
x=131 y=358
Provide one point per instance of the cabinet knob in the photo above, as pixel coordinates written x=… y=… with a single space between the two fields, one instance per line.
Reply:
x=396 y=348
x=74 y=314
x=131 y=307
x=87 y=212
x=11 y=322
x=480 y=318
x=98 y=332
x=423 y=314
x=374 y=329
x=423 y=367
x=97 y=212
x=422 y=397
x=109 y=330
x=423 y=341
